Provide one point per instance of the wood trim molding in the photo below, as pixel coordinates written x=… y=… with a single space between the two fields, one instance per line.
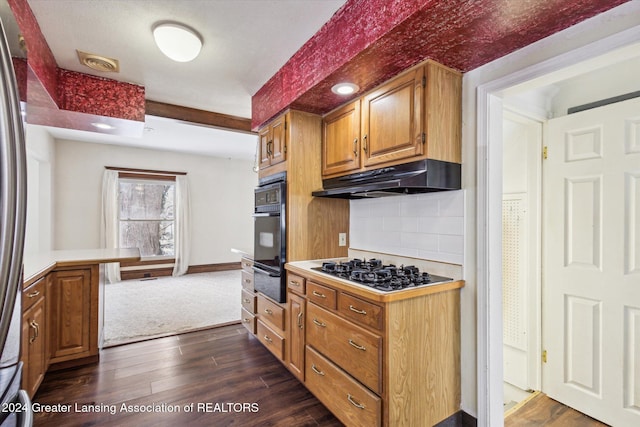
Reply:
x=144 y=171
x=168 y=271
x=225 y=121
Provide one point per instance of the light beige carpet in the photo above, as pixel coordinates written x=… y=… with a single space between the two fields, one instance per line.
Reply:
x=139 y=309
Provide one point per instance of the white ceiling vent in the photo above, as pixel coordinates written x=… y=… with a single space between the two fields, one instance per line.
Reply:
x=98 y=63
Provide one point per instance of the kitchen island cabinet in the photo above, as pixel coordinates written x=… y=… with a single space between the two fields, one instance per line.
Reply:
x=381 y=358
x=62 y=309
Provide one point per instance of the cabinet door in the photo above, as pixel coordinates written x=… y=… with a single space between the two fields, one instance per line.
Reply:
x=297 y=341
x=33 y=346
x=341 y=140
x=265 y=147
x=392 y=120
x=278 y=140
x=70 y=317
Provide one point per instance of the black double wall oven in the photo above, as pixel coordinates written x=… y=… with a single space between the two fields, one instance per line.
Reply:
x=270 y=236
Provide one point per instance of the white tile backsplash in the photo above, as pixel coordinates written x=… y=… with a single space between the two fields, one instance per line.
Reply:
x=428 y=226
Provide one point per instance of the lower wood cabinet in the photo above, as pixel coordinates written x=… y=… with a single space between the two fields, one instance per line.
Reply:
x=248 y=301
x=375 y=359
x=73 y=313
x=34 y=336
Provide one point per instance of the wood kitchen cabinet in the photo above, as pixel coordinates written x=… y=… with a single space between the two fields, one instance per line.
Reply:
x=379 y=359
x=273 y=142
x=249 y=297
x=271 y=325
x=297 y=307
x=415 y=115
x=34 y=336
x=72 y=302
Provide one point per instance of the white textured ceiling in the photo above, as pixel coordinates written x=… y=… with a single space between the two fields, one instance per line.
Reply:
x=245 y=43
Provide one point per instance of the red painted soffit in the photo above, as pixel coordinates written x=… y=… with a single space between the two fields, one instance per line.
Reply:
x=67 y=99
x=369 y=41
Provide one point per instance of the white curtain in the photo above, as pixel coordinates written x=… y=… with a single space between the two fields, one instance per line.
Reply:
x=182 y=226
x=109 y=222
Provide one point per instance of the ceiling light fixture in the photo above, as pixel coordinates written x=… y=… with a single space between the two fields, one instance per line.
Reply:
x=345 y=88
x=102 y=126
x=177 y=41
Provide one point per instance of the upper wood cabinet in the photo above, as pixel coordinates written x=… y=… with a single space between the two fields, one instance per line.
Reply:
x=273 y=142
x=414 y=116
x=391 y=120
x=341 y=140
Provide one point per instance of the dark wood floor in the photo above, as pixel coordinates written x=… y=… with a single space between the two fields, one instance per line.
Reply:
x=541 y=410
x=224 y=368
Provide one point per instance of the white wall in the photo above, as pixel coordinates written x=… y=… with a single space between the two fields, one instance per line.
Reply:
x=40 y=166
x=221 y=193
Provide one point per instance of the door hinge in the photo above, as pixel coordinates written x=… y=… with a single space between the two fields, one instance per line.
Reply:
x=545 y=152
x=544 y=356
x=424 y=137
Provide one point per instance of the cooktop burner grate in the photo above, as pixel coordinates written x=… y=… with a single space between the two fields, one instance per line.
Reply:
x=375 y=274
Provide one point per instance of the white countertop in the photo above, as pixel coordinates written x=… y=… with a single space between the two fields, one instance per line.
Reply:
x=38 y=264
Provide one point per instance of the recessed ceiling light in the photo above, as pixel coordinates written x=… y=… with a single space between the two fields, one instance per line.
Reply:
x=103 y=126
x=177 y=41
x=345 y=88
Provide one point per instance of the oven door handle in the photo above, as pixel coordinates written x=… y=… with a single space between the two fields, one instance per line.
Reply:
x=269 y=273
x=260 y=215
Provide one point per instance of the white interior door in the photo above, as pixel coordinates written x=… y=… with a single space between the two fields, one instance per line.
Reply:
x=591 y=262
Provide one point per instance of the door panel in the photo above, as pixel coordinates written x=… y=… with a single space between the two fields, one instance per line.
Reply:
x=591 y=283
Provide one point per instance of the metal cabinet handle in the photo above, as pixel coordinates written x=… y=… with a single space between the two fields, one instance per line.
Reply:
x=318 y=294
x=36 y=331
x=294 y=283
x=247 y=280
x=267 y=339
x=245 y=320
x=359 y=347
x=352 y=308
x=355 y=147
x=246 y=300
x=319 y=323
x=268 y=311
x=33 y=294
x=354 y=403
x=364 y=143
x=316 y=370
x=300 y=319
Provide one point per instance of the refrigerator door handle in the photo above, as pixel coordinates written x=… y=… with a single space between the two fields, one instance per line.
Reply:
x=25 y=417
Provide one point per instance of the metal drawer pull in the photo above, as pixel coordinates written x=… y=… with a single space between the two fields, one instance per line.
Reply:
x=33 y=294
x=352 y=308
x=359 y=347
x=247 y=320
x=355 y=147
x=300 y=319
x=247 y=280
x=267 y=339
x=354 y=403
x=247 y=300
x=318 y=294
x=294 y=283
x=317 y=322
x=268 y=311
x=316 y=370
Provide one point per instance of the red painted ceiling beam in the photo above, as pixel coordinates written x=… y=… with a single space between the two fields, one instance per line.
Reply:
x=369 y=41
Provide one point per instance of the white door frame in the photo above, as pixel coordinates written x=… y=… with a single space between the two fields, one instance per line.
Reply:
x=489 y=212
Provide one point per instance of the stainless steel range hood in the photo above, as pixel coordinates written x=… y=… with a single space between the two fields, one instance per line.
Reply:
x=410 y=178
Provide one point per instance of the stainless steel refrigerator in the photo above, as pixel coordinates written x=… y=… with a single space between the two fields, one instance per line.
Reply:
x=15 y=406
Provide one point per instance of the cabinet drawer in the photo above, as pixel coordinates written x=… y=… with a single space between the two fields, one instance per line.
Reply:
x=247 y=264
x=270 y=312
x=249 y=301
x=351 y=347
x=361 y=311
x=248 y=320
x=352 y=403
x=271 y=340
x=321 y=295
x=296 y=284
x=247 y=280
x=33 y=293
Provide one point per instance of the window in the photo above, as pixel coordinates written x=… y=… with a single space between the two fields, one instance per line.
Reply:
x=146 y=215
